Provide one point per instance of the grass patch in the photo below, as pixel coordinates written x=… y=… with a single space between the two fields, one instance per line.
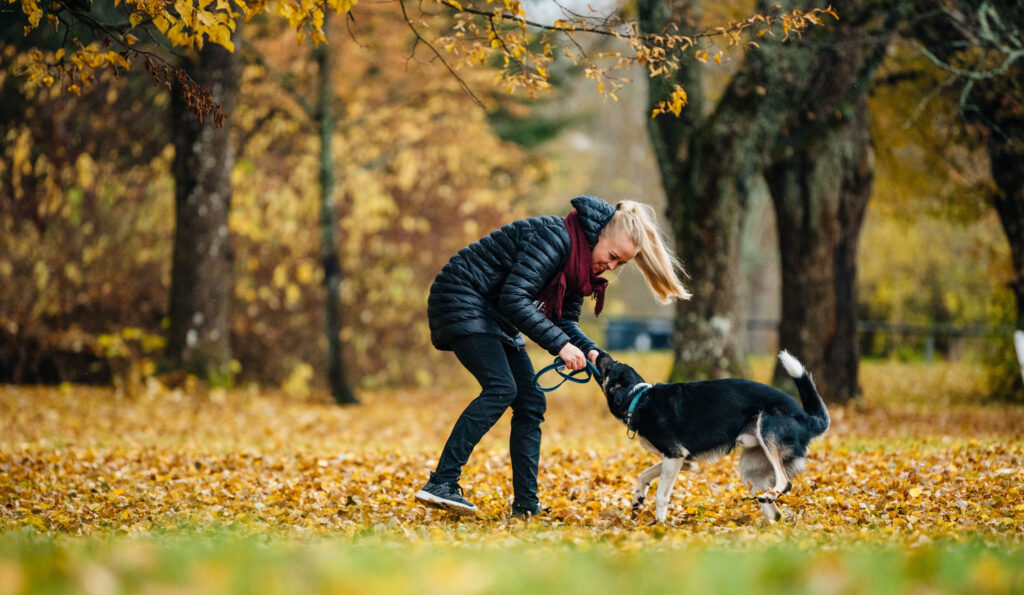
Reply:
x=229 y=563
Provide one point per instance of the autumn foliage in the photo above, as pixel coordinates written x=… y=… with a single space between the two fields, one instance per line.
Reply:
x=459 y=34
x=85 y=248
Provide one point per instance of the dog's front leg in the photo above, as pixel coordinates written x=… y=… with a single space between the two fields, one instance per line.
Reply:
x=643 y=483
x=669 y=470
x=769 y=508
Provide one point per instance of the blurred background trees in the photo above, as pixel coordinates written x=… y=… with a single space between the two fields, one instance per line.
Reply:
x=910 y=105
x=419 y=175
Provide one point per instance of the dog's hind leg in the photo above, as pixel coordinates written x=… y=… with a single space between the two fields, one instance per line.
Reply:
x=643 y=483
x=771 y=452
x=756 y=472
x=669 y=470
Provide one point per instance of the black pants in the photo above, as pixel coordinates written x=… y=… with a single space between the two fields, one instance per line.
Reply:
x=505 y=374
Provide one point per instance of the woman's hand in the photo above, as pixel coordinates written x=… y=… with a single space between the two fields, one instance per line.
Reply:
x=572 y=356
x=592 y=356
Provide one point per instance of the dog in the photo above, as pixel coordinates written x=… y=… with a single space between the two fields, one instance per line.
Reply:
x=704 y=420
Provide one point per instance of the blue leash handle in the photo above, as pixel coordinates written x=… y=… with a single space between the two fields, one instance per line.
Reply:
x=559 y=367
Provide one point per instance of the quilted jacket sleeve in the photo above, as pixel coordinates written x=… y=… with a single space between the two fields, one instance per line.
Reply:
x=570 y=323
x=536 y=263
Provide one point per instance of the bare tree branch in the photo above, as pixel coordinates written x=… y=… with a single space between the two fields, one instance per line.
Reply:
x=421 y=39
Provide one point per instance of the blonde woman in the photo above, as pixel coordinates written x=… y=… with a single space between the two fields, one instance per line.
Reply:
x=530 y=277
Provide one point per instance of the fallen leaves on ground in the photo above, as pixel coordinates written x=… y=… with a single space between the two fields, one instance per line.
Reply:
x=81 y=460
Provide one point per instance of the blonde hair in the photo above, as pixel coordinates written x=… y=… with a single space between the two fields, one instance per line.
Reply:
x=660 y=267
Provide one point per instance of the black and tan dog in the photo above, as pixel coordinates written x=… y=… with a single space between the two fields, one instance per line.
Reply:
x=705 y=420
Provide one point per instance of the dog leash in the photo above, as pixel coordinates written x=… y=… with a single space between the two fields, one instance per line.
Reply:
x=641 y=390
x=559 y=367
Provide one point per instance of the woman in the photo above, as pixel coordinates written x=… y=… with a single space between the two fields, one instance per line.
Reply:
x=530 y=277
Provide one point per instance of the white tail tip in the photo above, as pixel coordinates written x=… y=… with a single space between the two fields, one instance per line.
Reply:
x=793 y=366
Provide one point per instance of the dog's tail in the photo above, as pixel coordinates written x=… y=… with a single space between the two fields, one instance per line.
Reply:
x=813 y=404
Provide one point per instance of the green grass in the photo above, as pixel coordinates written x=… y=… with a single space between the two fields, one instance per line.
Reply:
x=231 y=563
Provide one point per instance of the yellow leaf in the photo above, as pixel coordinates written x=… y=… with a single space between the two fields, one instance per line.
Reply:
x=34 y=16
x=135 y=19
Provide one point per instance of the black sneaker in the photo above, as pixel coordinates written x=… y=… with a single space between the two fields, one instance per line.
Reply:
x=447 y=496
x=523 y=511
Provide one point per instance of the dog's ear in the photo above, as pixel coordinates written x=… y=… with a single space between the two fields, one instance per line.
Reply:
x=604 y=361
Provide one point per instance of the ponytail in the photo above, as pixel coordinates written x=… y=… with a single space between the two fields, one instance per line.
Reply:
x=660 y=267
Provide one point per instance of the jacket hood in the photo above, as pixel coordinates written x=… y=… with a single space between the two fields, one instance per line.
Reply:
x=594 y=215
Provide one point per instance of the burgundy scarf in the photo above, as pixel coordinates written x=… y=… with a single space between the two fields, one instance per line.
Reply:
x=575 y=277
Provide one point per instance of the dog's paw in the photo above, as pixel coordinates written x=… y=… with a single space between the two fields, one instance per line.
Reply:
x=767 y=496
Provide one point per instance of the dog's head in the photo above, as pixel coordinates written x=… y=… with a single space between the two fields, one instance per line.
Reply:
x=615 y=376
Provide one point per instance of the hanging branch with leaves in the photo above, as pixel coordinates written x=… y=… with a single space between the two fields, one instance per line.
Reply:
x=469 y=34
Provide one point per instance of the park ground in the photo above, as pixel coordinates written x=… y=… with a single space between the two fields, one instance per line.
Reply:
x=916 y=488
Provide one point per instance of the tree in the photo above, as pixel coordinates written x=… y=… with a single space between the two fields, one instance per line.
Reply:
x=698 y=158
x=980 y=43
x=199 y=331
x=808 y=138
x=819 y=173
x=340 y=389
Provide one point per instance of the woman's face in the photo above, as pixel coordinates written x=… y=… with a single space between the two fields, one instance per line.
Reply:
x=612 y=251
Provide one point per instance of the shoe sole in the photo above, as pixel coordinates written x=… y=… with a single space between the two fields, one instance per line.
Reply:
x=460 y=509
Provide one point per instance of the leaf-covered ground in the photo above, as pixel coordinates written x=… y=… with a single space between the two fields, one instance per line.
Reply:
x=918 y=461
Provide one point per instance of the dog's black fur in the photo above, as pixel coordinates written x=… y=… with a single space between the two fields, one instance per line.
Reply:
x=705 y=420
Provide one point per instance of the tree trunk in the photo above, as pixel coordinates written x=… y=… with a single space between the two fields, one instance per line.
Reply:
x=820 y=175
x=1007 y=158
x=820 y=194
x=705 y=209
x=198 y=338
x=328 y=252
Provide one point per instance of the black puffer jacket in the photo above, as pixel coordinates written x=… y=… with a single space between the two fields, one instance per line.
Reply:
x=489 y=287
